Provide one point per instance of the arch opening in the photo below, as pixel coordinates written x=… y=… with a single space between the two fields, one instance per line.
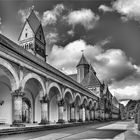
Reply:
x=77 y=107
x=54 y=96
x=7 y=84
x=68 y=100
x=33 y=93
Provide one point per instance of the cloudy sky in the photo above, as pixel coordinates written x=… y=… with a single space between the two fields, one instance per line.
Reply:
x=107 y=30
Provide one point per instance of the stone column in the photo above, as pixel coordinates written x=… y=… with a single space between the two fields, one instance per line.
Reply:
x=82 y=113
x=44 y=111
x=72 y=113
x=60 y=111
x=139 y=120
x=17 y=107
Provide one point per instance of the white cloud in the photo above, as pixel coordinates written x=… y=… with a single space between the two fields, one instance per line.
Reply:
x=111 y=65
x=128 y=92
x=67 y=57
x=105 y=8
x=85 y=17
x=52 y=37
x=128 y=8
x=48 y=18
x=116 y=65
x=51 y=16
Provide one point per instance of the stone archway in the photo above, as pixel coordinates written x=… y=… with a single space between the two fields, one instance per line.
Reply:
x=91 y=111
x=10 y=73
x=55 y=95
x=68 y=98
x=84 y=103
x=9 y=81
x=34 y=89
x=77 y=106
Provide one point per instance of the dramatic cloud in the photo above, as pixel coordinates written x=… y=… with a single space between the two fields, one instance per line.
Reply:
x=84 y=17
x=111 y=65
x=128 y=92
x=116 y=65
x=105 y=8
x=48 y=17
x=51 y=38
x=51 y=16
x=66 y=58
x=128 y=8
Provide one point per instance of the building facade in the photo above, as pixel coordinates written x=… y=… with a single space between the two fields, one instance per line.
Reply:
x=32 y=91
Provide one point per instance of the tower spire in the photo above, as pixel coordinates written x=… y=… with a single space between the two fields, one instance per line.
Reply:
x=32 y=36
x=82 y=68
x=83 y=60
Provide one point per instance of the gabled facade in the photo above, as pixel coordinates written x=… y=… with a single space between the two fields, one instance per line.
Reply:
x=32 y=36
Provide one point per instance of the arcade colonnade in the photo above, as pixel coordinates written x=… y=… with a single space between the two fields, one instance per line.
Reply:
x=27 y=97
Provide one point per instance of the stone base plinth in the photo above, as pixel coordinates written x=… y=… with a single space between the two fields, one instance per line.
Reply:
x=16 y=124
x=72 y=120
x=43 y=122
x=80 y=120
x=61 y=121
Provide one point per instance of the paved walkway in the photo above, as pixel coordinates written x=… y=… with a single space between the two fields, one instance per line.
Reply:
x=120 y=130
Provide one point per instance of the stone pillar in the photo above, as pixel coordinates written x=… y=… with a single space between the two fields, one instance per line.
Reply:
x=17 y=107
x=139 y=120
x=82 y=113
x=72 y=113
x=44 y=111
x=60 y=111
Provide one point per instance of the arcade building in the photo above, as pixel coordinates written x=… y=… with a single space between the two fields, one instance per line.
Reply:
x=32 y=91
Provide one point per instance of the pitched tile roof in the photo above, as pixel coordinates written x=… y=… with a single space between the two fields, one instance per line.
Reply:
x=83 y=61
x=91 y=79
x=33 y=21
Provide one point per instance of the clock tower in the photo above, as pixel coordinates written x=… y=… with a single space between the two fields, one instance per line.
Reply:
x=32 y=36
